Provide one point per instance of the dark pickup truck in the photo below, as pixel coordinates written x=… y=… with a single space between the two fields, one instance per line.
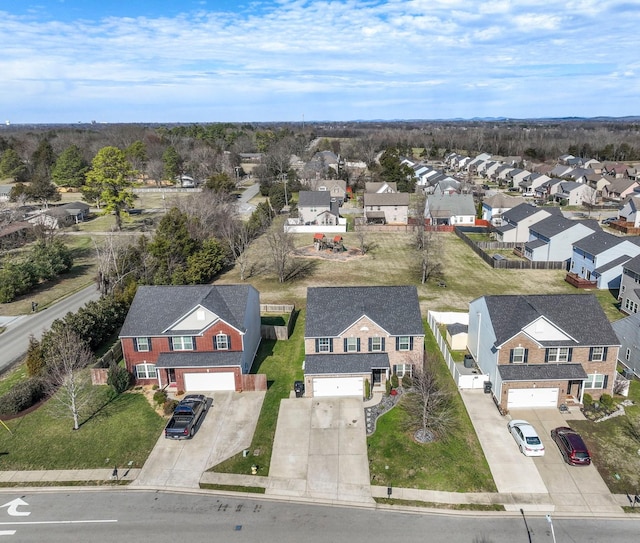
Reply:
x=186 y=416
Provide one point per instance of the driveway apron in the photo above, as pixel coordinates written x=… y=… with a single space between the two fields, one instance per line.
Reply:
x=320 y=450
x=227 y=429
x=573 y=489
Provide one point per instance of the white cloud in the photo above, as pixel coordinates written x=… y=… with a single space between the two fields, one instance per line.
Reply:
x=304 y=49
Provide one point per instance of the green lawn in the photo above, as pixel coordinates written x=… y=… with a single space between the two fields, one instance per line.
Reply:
x=120 y=431
x=455 y=463
x=281 y=361
x=615 y=446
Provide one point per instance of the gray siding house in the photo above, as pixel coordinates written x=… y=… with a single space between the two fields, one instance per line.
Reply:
x=551 y=239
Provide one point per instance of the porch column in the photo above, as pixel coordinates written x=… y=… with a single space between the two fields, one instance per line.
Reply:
x=581 y=391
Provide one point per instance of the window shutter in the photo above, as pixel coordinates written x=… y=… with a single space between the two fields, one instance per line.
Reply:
x=511 y=356
x=317 y=345
x=358 y=344
x=193 y=343
x=149 y=342
x=526 y=355
x=330 y=345
x=604 y=354
x=171 y=344
x=590 y=354
x=135 y=344
x=370 y=344
x=382 y=344
x=606 y=381
x=345 y=345
x=397 y=343
x=569 y=354
x=411 y=343
x=215 y=343
x=546 y=355
x=229 y=342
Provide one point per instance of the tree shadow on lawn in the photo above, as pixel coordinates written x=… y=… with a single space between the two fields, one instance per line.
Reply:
x=301 y=269
x=103 y=410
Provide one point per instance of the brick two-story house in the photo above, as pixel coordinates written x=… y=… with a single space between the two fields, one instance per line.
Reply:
x=200 y=337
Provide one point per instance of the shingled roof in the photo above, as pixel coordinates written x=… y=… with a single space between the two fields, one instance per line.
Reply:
x=331 y=310
x=578 y=315
x=156 y=308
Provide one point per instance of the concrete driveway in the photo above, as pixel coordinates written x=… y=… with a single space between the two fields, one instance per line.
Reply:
x=512 y=472
x=573 y=489
x=226 y=429
x=320 y=450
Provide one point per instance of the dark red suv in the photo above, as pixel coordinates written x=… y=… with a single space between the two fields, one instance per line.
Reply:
x=571 y=446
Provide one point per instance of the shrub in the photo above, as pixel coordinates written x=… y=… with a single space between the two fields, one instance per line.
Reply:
x=169 y=406
x=607 y=401
x=387 y=385
x=367 y=389
x=180 y=392
x=407 y=381
x=22 y=396
x=155 y=387
x=587 y=400
x=394 y=380
x=35 y=360
x=160 y=397
x=119 y=378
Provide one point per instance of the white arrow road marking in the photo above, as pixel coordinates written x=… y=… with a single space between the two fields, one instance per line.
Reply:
x=12 y=508
x=7 y=532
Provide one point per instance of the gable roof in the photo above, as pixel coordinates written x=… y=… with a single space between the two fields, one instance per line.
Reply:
x=633 y=264
x=156 y=308
x=578 y=315
x=502 y=200
x=523 y=211
x=598 y=242
x=331 y=310
x=386 y=199
x=553 y=225
x=450 y=204
x=314 y=198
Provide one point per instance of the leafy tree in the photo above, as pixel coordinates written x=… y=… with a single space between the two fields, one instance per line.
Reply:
x=12 y=166
x=70 y=168
x=395 y=172
x=172 y=245
x=42 y=190
x=277 y=197
x=205 y=264
x=136 y=153
x=260 y=220
x=172 y=163
x=221 y=182
x=111 y=175
x=42 y=160
x=119 y=378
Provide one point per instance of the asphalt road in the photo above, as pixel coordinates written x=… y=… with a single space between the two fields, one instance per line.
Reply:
x=15 y=339
x=106 y=516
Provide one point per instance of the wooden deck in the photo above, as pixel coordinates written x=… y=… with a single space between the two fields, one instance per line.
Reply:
x=579 y=282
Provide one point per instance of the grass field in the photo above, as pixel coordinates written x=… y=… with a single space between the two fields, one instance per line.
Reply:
x=113 y=433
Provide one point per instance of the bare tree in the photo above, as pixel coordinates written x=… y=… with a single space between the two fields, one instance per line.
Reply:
x=68 y=380
x=236 y=234
x=428 y=404
x=213 y=211
x=281 y=245
x=363 y=239
x=116 y=260
x=429 y=256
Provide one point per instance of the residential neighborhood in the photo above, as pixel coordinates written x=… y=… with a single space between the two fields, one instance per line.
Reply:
x=347 y=326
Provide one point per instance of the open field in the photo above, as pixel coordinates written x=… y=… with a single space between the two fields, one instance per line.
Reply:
x=391 y=261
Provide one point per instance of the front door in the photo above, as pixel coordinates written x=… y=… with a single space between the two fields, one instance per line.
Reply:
x=172 y=376
x=377 y=377
x=573 y=389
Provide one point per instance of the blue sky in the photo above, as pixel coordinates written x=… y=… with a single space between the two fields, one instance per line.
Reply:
x=294 y=60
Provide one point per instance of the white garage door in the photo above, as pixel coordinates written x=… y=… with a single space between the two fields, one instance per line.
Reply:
x=532 y=397
x=338 y=386
x=209 y=381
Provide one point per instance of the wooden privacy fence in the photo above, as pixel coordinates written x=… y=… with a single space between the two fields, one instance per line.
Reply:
x=503 y=263
x=272 y=331
x=100 y=370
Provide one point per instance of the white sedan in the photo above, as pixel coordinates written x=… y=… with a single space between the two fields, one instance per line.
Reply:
x=526 y=438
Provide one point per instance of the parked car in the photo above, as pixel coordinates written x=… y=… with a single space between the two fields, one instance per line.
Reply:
x=186 y=416
x=298 y=387
x=526 y=438
x=609 y=220
x=571 y=446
